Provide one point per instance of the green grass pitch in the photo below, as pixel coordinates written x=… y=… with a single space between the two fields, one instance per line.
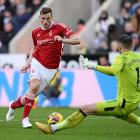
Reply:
x=92 y=128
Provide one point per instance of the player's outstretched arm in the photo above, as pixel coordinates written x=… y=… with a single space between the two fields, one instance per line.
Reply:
x=106 y=70
x=114 y=69
x=85 y=63
x=103 y=69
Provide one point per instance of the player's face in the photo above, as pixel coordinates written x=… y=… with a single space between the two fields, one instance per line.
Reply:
x=46 y=20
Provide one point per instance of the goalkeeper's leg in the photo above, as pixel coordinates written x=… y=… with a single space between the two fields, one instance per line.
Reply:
x=106 y=108
x=111 y=108
x=132 y=118
x=119 y=109
x=69 y=122
x=103 y=108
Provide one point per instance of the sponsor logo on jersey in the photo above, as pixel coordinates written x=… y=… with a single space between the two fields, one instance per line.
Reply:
x=44 y=41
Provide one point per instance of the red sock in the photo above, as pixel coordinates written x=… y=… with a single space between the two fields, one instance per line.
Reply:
x=17 y=104
x=27 y=106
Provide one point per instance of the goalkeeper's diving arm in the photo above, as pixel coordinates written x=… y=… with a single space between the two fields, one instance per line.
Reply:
x=107 y=70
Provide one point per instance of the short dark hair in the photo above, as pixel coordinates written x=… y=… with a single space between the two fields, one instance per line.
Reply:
x=81 y=21
x=126 y=41
x=45 y=10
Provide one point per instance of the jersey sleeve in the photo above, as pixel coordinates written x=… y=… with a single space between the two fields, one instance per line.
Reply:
x=114 y=69
x=33 y=38
x=67 y=32
x=118 y=64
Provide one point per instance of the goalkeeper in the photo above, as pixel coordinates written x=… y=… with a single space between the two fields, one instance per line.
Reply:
x=126 y=68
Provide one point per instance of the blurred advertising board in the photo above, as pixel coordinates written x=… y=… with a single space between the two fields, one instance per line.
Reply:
x=79 y=87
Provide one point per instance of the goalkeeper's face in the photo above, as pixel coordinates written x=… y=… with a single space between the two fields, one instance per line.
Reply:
x=46 y=20
x=121 y=48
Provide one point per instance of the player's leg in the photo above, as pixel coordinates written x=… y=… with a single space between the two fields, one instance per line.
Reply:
x=38 y=75
x=107 y=108
x=123 y=112
x=69 y=122
x=29 y=101
x=103 y=108
x=128 y=115
x=12 y=106
x=49 y=76
x=34 y=88
x=38 y=83
x=21 y=100
x=133 y=118
x=127 y=109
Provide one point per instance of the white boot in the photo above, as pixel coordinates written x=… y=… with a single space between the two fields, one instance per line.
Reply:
x=10 y=113
x=26 y=123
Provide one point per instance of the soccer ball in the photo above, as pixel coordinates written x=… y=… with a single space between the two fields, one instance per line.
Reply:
x=54 y=118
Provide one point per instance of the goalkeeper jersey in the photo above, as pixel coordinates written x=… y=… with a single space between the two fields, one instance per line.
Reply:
x=126 y=68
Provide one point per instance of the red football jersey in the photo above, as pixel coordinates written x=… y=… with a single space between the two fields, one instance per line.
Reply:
x=48 y=52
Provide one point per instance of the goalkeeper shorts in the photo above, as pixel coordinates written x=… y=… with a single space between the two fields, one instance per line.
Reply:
x=119 y=109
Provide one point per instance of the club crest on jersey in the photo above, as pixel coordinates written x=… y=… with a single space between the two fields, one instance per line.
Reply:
x=50 y=33
x=38 y=35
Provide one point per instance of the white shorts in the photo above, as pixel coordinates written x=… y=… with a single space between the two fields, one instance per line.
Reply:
x=38 y=71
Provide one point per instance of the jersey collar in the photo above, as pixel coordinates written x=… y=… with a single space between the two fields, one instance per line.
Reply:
x=129 y=51
x=48 y=28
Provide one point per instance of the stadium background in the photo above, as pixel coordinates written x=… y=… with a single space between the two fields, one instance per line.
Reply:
x=98 y=23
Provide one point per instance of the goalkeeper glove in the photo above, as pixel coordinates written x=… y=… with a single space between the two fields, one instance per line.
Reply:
x=86 y=64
